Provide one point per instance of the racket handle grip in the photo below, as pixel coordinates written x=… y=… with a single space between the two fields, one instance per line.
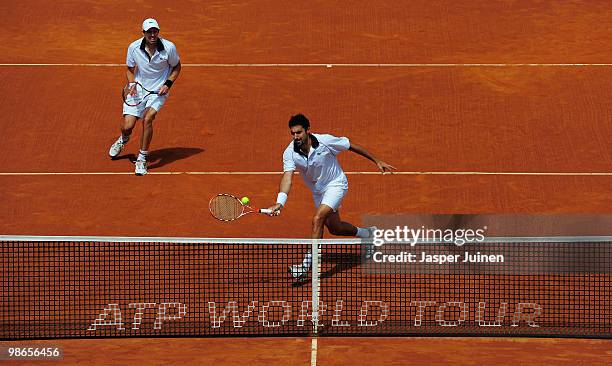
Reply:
x=265 y=211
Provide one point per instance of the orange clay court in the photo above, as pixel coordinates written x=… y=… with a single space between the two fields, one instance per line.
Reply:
x=483 y=107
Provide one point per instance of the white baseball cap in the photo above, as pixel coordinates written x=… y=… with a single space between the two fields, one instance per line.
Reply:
x=149 y=23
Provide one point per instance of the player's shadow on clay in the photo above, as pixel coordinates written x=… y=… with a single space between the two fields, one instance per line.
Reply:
x=159 y=158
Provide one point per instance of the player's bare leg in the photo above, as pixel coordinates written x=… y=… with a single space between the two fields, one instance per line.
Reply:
x=147 y=128
x=341 y=228
x=127 y=126
x=319 y=219
x=338 y=227
x=299 y=271
x=145 y=141
x=129 y=122
x=325 y=216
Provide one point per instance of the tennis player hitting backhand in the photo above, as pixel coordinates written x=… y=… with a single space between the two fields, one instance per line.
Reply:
x=154 y=62
x=314 y=156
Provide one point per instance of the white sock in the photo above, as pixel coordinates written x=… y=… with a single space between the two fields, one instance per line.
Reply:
x=125 y=138
x=142 y=156
x=363 y=233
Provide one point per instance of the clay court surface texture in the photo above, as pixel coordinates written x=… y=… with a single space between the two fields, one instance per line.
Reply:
x=482 y=106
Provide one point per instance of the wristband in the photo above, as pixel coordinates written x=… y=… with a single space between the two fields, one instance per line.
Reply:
x=281 y=198
x=168 y=83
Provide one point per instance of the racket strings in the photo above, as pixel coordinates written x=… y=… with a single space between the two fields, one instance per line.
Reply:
x=133 y=93
x=226 y=207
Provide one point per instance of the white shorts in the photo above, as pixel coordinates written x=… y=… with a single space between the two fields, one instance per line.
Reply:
x=151 y=101
x=332 y=197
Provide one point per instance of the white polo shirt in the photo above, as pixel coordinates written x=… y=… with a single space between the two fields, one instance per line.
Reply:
x=152 y=72
x=320 y=169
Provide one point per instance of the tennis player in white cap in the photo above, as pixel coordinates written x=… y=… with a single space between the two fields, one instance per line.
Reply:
x=155 y=63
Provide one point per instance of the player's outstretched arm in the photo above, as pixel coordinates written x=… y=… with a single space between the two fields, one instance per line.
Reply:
x=285 y=187
x=384 y=167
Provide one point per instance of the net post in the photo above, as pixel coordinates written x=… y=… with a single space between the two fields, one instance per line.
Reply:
x=315 y=284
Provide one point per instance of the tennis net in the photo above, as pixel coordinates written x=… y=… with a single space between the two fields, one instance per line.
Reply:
x=79 y=287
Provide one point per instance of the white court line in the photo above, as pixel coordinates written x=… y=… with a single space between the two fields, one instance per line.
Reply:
x=337 y=65
x=574 y=174
x=313 y=352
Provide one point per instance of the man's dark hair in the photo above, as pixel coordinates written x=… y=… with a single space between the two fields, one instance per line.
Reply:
x=299 y=120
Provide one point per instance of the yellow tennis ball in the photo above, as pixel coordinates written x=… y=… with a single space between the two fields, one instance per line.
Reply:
x=245 y=200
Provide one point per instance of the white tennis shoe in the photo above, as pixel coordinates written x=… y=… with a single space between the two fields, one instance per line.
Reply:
x=298 y=271
x=116 y=148
x=141 y=167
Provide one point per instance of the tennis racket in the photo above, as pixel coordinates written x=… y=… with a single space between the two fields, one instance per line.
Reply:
x=134 y=93
x=226 y=207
